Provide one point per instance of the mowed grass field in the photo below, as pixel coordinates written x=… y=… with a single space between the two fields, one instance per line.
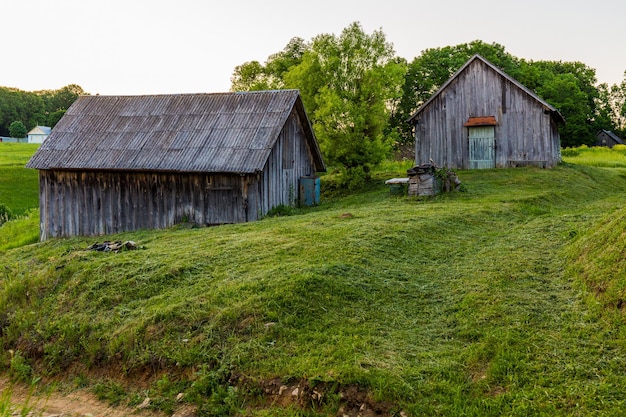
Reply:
x=19 y=192
x=504 y=299
x=19 y=189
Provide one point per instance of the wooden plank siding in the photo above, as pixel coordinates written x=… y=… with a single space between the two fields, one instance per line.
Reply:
x=290 y=160
x=526 y=131
x=111 y=202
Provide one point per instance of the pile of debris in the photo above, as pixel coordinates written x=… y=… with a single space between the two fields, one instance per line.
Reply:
x=428 y=179
x=116 y=246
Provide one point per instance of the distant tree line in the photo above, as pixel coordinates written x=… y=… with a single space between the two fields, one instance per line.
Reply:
x=25 y=110
x=359 y=94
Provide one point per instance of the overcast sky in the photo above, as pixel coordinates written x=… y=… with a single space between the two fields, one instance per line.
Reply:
x=192 y=46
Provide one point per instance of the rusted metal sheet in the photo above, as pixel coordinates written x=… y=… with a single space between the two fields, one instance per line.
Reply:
x=481 y=121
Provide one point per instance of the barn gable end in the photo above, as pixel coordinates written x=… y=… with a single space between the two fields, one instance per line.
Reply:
x=608 y=138
x=121 y=163
x=483 y=118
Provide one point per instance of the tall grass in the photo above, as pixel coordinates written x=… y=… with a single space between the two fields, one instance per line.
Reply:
x=599 y=156
x=9 y=407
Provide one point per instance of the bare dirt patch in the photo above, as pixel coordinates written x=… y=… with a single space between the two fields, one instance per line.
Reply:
x=352 y=401
x=77 y=403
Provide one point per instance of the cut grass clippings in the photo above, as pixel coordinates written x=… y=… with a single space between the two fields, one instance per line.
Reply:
x=461 y=304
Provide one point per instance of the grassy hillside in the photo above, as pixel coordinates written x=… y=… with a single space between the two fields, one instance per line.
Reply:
x=19 y=192
x=19 y=189
x=474 y=303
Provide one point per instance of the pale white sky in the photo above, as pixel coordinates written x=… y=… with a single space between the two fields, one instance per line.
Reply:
x=192 y=46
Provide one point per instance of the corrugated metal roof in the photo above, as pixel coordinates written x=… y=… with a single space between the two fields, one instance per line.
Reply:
x=40 y=130
x=223 y=132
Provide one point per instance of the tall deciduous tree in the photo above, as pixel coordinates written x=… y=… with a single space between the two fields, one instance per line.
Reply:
x=253 y=76
x=62 y=98
x=613 y=104
x=605 y=116
x=571 y=88
x=35 y=108
x=350 y=84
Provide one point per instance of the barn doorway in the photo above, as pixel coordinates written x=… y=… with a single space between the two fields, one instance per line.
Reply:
x=482 y=147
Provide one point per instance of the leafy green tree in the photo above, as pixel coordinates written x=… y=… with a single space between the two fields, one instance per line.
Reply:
x=35 y=108
x=62 y=98
x=604 y=118
x=19 y=105
x=280 y=63
x=350 y=84
x=563 y=92
x=571 y=88
x=253 y=76
x=17 y=129
x=619 y=100
x=612 y=104
x=58 y=101
x=249 y=76
x=53 y=118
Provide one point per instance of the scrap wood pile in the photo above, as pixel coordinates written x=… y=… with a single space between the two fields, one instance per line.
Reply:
x=428 y=179
x=116 y=246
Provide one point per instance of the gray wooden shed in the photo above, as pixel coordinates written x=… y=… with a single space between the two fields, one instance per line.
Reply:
x=122 y=163
x=483 y=118
x=608 y=138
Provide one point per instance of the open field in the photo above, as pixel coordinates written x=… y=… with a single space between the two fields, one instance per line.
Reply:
x=19 y=189
x=505 y=299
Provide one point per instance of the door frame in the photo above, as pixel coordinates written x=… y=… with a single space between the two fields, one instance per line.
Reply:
x=481 y=142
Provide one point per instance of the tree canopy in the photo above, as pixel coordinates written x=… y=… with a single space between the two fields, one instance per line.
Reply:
x=252 y=76
x=349 y=84
x=351 y=80
x=35 y=108
x=17 y=129
x=611 y=107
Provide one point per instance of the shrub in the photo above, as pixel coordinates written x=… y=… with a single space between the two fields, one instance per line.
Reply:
x=570 y=152
x=280 y=210
x=19 y=369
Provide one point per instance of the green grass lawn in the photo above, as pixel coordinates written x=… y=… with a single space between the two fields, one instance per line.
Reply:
x=19 y=189
x=494 y=301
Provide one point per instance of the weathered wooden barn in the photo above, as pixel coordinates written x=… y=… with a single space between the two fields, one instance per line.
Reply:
x=122 y=163
x=483 y=118
x=608 y=138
